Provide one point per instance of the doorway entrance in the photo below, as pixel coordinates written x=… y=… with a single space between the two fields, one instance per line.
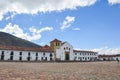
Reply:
x=2 y=55
x=11 y=55
x=67 y=57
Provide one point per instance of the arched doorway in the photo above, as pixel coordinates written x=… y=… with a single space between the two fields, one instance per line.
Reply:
x=67 y=57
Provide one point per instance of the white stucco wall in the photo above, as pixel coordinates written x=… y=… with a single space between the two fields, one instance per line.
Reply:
x=82 y=56
x=24 y=55
x=109 y=58
x=60 y=53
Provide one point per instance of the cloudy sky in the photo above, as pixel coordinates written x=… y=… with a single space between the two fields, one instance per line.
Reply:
x=86 y=24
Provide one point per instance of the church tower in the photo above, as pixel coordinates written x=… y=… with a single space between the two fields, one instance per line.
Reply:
x=55 y=44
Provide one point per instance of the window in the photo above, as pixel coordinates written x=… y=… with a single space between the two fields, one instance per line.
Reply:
x=2 y=55
x=36 y=54
x=11 y=55
x=56 y=43
x=75 y=53
x=20 y=58
x=83 y=57
x=2 y=52
x=64 y=48
x=20 y=53
x=29 y=54
x=69 y=48
x=51 y=55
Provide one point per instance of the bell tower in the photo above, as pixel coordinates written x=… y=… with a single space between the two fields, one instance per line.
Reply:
x=55 y=44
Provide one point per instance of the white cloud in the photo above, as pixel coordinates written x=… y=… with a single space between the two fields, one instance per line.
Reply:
x=106 y=50
x=37 y=33
x=76 y=29
x=45 y=29
x=67 y=22
x=18 y=32
x=35 y=6
x=114 y=2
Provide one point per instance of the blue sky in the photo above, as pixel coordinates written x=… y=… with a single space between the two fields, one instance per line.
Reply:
x=86 y=24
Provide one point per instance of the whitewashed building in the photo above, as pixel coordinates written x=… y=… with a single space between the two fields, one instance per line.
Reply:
x=58 y=50
x=85 y=55
x=109 y=57
x=11 y=53
x=64 y=52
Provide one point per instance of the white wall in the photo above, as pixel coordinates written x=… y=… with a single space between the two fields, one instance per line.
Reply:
x=83 y=56
x=60 y=53
x=16 y=55
x=109 y=58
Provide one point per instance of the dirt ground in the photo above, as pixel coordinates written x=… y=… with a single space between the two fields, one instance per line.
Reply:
x=60 y=71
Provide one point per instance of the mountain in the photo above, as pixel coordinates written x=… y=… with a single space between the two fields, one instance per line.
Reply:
x=10 y=40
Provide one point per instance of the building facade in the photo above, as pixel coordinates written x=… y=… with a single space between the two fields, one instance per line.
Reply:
x=57 y=51
x=109 y=57
x=85 y=55
x=26 y=54
x=65 y=52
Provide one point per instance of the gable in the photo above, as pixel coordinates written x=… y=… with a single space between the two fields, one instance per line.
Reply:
x=66 y=44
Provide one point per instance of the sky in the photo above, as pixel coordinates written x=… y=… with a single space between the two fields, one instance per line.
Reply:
x=85 y=24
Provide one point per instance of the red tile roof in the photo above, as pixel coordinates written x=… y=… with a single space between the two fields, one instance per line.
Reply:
x=46 y=46
x=56 y=40
x=43 y=49
x=82 y=51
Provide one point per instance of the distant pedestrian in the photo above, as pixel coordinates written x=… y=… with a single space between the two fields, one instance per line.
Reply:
x=117 y=60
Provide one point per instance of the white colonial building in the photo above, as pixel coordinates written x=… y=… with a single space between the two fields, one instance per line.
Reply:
x=65 y=52
x=11 y=53
x=85 y=55
x=109 y=57
x=57 y=51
